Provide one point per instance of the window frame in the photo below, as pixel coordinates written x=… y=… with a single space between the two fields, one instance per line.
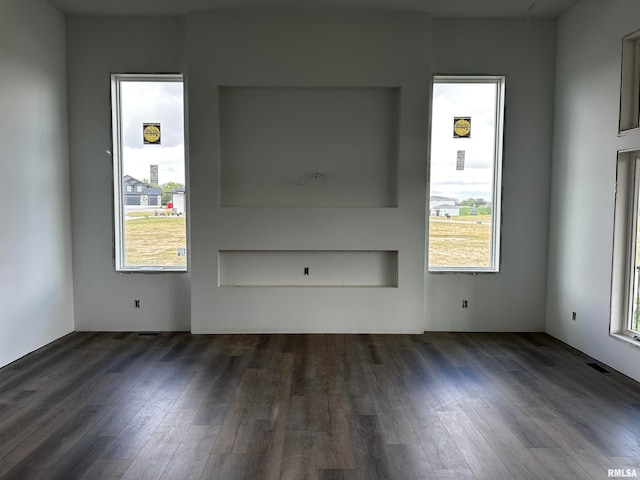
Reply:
x=498 y=160
x=632 y=246
x=635 y=96
x=624 y=274
x=119 y=191
x=629 y=119
x=625 y=244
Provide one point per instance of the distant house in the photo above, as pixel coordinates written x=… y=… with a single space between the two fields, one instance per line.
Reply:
x=138 y=193
x=443 y=206
x=178 y=201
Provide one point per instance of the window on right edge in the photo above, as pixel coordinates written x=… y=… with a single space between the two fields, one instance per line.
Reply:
x=630 y=83
x=625 y=306
x=465 y=173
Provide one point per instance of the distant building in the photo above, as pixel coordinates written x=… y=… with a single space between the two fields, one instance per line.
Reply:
x=443 y=206
x=178 y=201
x=137 y=193
x=153 y=175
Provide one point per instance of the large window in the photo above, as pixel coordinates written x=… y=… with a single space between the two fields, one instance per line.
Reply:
x=633 y=318
x=625 y=282
x=149 y=172
x=465 y=173
x=625 y=308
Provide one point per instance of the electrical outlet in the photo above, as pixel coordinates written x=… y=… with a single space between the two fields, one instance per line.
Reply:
x=573 y=316
x=465 y=304
x=306 y=271
x=136 y=303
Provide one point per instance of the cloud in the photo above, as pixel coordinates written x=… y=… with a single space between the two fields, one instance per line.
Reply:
x=463 y=100
x=170 y=160
x=153 y=102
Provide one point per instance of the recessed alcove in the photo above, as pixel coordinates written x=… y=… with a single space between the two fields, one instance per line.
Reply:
x=309 y=268
x=308 y=146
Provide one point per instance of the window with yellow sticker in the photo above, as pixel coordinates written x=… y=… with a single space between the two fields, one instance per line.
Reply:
x=149 y=173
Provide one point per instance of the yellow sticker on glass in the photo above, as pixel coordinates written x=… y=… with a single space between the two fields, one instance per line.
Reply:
x=461 y=127
x=151 y=133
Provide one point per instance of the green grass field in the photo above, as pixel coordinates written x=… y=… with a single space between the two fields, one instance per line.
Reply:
x=460 y=242
x=154 y=241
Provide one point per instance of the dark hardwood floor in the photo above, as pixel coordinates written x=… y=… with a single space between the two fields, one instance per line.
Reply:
x=433 y=406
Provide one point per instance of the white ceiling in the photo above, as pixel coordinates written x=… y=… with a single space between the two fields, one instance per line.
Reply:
x=437 y=8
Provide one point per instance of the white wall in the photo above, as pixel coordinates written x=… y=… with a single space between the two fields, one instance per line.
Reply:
x=307 y=50
x=584 y=170
x=514 y=299
x=99 y=46
x=314 y=50
x=36 y=302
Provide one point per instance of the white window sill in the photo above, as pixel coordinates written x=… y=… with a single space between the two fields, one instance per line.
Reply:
x=152 y=270
x=461 y=270
x=634 y=342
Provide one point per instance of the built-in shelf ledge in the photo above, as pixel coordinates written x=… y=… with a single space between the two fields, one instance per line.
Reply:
x=308 y=268
x=308 y=286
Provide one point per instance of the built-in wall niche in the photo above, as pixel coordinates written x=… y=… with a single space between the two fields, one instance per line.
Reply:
x=308 y=268
x=308 y=147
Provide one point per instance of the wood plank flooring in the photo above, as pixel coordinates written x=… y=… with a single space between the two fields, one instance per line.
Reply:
x=434 y=406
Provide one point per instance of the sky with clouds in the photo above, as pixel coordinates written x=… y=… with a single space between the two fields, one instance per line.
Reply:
x=153 y=102
x=463 y=100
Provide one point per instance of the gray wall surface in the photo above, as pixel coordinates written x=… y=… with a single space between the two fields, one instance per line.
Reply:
x=98 y=47
x=585 y=149
x=514 y=299
x=308 y=51
x=349 y=51
x=294 y=52
x=36 y=302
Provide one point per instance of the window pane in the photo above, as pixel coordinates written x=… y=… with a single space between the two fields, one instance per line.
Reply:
x=634 y=311
x=463 y=204
x=152 y=173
